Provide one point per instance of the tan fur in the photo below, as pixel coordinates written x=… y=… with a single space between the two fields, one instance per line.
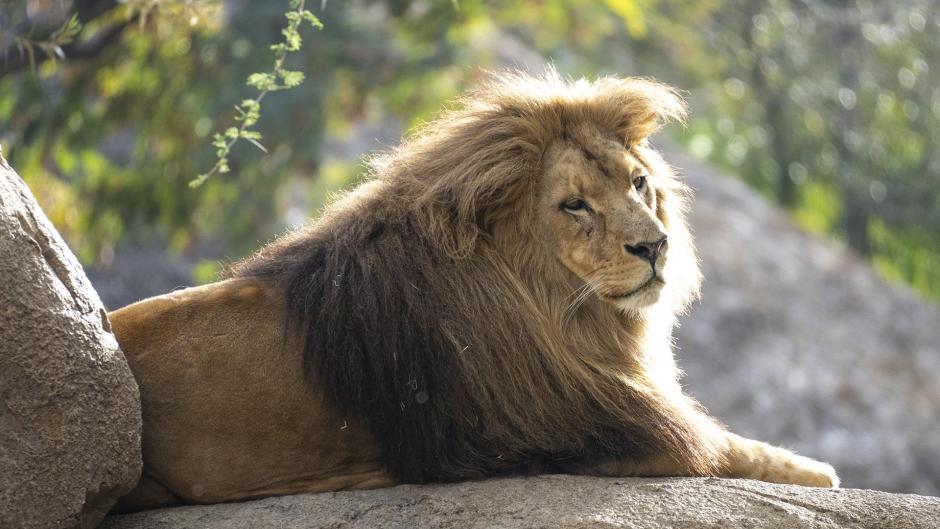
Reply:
x=229 y=414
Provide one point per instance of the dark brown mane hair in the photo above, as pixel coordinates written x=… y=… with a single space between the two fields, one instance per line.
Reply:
x=430 y=313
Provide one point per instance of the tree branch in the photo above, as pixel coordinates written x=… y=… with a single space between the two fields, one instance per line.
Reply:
x=13 y=61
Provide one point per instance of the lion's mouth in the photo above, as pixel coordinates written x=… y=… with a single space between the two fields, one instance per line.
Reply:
x=654 y=279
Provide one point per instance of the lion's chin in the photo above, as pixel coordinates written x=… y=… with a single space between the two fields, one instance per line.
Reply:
x=642 y=296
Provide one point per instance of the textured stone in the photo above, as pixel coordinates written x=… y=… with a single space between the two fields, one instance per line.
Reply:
x=560 y=502
x=69 y=406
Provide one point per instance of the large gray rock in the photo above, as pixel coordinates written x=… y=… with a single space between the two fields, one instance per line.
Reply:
x=69 y=406
x=797 y=341
x=560 y=502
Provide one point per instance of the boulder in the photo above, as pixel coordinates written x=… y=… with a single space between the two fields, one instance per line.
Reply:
x=560 y=502
x=69 y=406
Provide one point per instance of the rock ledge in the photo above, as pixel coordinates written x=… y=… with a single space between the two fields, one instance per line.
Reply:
x=561 y=502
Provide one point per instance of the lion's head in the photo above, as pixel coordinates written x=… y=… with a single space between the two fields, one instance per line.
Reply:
x=562 y=172
x=503 y=290
x=597 y=205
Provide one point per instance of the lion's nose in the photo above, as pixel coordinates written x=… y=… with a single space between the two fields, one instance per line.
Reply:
x=647 y=250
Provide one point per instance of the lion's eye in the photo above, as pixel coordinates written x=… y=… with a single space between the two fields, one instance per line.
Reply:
x=575 y=206
x=639 y=183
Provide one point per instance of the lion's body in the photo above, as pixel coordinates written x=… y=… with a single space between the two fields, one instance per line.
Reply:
x=227 y=412
x=450 y=320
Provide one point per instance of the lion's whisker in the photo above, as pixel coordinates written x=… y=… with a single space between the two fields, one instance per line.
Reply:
x=582 y=293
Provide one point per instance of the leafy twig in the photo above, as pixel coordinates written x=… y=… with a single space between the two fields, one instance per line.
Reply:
x=51 y=45
x=279 y=78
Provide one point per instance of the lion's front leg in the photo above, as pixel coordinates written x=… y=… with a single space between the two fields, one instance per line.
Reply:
x=735 y=457
x=751 y=459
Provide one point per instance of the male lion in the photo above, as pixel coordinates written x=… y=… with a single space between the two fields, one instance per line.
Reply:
x=498 y=298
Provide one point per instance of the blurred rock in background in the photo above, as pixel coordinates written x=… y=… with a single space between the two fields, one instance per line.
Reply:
x=136 y=272
x=798 y=342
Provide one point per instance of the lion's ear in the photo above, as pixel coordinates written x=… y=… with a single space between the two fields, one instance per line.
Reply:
x=641 y=107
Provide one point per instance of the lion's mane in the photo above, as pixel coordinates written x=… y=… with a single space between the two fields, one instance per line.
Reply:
x=431 y=314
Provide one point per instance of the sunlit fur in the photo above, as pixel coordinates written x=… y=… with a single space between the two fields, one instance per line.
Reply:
x=441 y=305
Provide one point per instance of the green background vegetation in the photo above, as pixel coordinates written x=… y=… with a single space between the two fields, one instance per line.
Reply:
x=830 y=108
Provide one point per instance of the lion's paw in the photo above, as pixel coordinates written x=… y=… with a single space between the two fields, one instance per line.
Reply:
x=808 y=472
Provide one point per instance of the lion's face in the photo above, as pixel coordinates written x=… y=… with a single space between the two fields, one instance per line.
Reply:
x=598 y=203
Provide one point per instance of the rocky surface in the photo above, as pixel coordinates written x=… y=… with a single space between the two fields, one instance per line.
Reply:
x=561 y=502
x=69 y=406
x=797 y=341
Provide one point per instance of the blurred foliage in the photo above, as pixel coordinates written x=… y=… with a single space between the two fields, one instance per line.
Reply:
x=831 y=108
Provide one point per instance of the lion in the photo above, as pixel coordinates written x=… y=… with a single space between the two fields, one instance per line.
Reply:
x=498 y=298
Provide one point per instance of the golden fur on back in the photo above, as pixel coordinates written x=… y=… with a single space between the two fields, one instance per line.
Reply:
x=434 y=307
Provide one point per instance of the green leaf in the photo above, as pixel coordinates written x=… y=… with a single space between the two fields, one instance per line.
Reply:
x=218 y=141
x=261 y=81
x=196 y=182
x=291 y=78
x=292 y=39
x=67 y=32
x=312 y=19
